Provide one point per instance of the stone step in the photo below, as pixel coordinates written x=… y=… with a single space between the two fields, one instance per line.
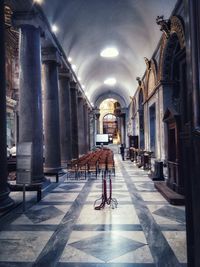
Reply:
x=171 y=196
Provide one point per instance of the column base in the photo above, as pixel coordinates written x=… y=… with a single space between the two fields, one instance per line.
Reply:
x=38 y=179
x=5 y=201
x=64 y=163
x=52 y=170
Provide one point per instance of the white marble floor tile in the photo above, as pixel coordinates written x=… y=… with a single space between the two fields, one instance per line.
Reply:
x=177 y=241
x=59 y=197
x=67 y=187
x=71 y=254
x=24 y=220
x=152 y=196
x=161 y=219
x=120 y=196
x=116 y=185
x=140 y=255
x=140 y=179
x=22 y=246
x=121 y=215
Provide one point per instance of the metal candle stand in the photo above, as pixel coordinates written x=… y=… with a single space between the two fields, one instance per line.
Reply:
x=105 y=199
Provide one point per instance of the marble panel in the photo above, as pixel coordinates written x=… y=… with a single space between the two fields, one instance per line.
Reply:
x=120 y=215
x=163 y=218
x=42 y=215
x=60 y=197
x=177 y=241
x=106 y=245
x=22 y=246
x=152 y=196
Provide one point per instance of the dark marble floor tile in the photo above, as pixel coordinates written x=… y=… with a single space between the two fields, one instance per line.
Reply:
x=107 y=227
x=24 y=227
x=16 y=264
x=80 y=264
x=107 y=246
x=44 y=214
x=171 y=213
x=69 y=186
x=114 y=186
x=149 y=186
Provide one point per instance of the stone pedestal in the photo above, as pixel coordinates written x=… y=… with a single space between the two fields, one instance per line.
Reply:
x=30 y=97
x=51 y=111
x=74 y=120
x=5 y=200
x=65 y=116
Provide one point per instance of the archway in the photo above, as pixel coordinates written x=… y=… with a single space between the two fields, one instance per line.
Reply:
x=110 y=126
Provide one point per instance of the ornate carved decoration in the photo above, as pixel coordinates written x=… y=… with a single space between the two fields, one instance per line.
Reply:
x=168 y=46
x=151 y=77
x=164 y=25
x=162 y=47
x=138 y=79
x=148 y=63
x=177 y=27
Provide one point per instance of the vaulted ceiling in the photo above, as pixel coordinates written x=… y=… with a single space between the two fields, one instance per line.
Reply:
x=86 y=27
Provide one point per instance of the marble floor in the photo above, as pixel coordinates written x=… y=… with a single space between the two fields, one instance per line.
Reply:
x=65 y=230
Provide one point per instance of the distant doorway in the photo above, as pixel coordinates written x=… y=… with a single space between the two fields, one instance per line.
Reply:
x=110 y=126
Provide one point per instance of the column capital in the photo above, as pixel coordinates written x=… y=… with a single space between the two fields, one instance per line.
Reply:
x=50 y=54
x=80 y=95
x=73 y=85
x=22 y=18
x=64 y=73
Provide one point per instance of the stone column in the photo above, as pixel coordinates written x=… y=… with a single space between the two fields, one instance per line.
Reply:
x=65 y=116
x=74 y=119
x=30 y=96
x=81 y=132
x=191 y=169
x=51 y=111
x=97 y=113
x=86 y=127
x=5 y=201
x=92 y=130
x=122 y=129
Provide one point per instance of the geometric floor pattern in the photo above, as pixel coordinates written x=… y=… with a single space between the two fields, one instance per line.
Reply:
x=107 y=246
x=63 y=229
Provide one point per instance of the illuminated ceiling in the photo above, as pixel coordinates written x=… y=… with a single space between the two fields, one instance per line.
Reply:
x=86 y=27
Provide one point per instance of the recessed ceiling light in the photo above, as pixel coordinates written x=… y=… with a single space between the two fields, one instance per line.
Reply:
x=109 y=52
x=110 y=81
x=38 y=1
x=54 y=28
x=83 y=86
x=74 y=67
x=69 y=59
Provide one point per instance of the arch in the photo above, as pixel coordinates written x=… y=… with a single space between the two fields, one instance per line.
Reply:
x=151 y=77
x=168 y=47
x=134 y=108
x=107 y=114
x=107 y=95
x=178 y=28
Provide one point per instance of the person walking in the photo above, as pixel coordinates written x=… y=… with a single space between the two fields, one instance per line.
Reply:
x=122 y=151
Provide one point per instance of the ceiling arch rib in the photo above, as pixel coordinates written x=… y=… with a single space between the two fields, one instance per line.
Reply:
x=88 y=27
x=100 y=98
